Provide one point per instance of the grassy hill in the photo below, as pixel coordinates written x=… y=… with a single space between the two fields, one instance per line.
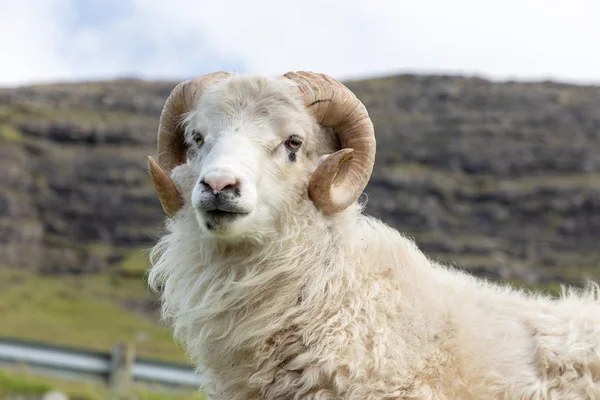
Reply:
x=502 y=179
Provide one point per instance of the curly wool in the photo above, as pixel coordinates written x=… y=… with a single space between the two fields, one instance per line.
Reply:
x=348 y=308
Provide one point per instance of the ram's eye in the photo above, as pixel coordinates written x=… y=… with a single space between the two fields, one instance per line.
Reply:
x=198 y=138
x=293 y=143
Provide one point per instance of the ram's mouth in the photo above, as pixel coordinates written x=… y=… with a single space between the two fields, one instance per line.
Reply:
x=222 y=214
x=218 y=220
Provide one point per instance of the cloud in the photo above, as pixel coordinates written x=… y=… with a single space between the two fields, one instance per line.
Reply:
x=70 y=39
x=30 y=40
x=74 y=40
x=354 y=38
x=133 y=40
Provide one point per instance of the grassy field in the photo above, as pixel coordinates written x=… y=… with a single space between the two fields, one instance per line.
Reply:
x=90 y=312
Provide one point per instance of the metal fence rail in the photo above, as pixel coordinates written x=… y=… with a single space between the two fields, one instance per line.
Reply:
x=97 y=366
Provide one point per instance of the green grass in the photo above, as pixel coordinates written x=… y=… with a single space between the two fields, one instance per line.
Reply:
x=135 y=264
x=23 y=383
x=42 y=113
x=91 y=312
x=13 y=383
x=490 y=184
x=9 y=134
x=88 y=312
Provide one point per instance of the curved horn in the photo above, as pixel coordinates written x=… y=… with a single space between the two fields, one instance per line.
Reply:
x=340 y=179
x=171 y=146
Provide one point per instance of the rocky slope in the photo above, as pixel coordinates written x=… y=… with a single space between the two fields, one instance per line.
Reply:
x=500 y=178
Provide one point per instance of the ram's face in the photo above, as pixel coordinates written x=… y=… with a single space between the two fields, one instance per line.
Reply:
x=253 y=149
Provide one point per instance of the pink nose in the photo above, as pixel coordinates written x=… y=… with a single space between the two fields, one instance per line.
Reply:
x=218 y=182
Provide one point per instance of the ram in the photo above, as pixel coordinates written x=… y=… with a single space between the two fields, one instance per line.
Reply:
x=281 y=288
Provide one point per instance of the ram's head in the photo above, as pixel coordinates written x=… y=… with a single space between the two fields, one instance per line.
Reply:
x=257 y=146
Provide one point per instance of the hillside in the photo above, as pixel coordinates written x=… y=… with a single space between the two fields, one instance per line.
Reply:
x=502 y=179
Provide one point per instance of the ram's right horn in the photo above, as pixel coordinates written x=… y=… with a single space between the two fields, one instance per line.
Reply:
x=340 y=179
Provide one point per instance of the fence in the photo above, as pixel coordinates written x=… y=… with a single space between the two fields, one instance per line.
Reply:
x=118 y=368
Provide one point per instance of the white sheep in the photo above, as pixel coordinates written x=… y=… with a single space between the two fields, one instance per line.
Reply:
x=280 y=288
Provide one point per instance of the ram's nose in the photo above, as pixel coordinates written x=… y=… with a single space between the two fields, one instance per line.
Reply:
x=220 y=181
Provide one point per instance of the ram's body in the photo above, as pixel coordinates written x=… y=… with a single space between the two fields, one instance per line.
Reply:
x=312 y=307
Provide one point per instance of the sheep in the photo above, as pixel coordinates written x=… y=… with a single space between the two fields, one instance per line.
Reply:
x=279 y=286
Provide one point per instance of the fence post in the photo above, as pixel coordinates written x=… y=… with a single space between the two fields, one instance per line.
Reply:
x=122 y=358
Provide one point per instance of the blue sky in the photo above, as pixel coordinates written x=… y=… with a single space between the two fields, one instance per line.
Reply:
x=63 y=40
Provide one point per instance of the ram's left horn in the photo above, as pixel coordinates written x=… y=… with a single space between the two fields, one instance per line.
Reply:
x=168 y=194
x=171 y=144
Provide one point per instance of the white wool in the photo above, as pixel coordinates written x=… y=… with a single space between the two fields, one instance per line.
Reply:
x=345 y=307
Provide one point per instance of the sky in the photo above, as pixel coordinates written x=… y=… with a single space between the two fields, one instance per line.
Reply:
x=75 y=40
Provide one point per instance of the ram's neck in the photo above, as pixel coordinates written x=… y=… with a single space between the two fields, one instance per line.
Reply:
x=215 y=291
x=276 y=274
